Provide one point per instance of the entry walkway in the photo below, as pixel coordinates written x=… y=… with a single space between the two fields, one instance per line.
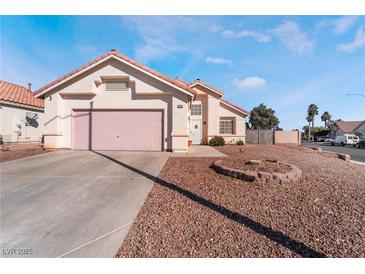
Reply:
x=199 y=151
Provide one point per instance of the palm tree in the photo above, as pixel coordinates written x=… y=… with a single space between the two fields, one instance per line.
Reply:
x=309 y=120
x=326 y=117
x=312 y=112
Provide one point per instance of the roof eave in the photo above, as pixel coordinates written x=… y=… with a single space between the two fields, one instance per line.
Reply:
x=42 y=92
x=11 y=103
x=236 y=108
x=205 y=86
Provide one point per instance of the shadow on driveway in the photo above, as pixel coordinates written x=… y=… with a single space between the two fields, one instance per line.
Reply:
x=299 y=248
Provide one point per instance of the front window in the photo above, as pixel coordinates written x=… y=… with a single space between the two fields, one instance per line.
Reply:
x=226 y=126
x=116 y=85
x=196 y=109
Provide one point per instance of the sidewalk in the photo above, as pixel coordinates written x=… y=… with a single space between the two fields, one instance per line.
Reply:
x=199 y=151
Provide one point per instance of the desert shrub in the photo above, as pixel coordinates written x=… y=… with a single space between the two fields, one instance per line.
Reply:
x=240 y=143
x=216 y=141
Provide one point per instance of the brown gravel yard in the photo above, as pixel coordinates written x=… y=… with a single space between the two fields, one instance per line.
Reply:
x=194 y=212
x=17 y=151
x=268 y=166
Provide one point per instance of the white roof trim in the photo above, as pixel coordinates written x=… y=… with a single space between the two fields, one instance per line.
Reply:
x=197 y=83
x=119 y=59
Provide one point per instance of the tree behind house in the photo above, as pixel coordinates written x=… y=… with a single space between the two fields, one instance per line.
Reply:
x=312 y=111
x=309 y=120
x=326 y=118
x=263 y=118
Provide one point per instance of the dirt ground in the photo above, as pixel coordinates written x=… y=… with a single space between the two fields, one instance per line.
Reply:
x=194 y=212
x=17 y=151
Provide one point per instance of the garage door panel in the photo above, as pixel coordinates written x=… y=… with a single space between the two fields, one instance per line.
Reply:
x=120 y=130
x=80 y=130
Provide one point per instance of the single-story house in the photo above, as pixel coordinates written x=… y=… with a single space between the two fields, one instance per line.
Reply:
x=116 y=103
x=21 y=118
x=348 y=127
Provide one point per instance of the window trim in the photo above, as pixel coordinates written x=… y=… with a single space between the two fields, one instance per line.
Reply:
x=231 y=121
x=196 y=104
x=116 y=81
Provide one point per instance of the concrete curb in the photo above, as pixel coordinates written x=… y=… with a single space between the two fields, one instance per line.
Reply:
x=344 y=157
x=357 y=163
x=341 y=156
x=315 y=148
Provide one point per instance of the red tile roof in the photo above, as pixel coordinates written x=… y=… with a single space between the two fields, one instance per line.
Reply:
x=349 y=126
x=182 y=81
x=14 y=93
x=198 y=81
x=235 y=106
x=127 y=59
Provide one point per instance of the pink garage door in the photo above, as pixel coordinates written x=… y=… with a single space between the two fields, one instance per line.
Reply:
x=117 y=129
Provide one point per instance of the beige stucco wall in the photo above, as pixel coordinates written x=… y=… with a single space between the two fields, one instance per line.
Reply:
x=11 y=115
x=287 y=137
x=144 y=92
x=213 y=110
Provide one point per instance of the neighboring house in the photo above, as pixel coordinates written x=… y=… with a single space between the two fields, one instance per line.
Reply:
x=348 y=127
x=21 y=114
x=116 y=103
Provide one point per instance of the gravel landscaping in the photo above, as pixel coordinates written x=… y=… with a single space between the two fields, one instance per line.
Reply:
x=194 y=212
x=266 y=166
x=17 y=151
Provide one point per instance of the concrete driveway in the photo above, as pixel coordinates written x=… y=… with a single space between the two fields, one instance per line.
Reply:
x=73 y=203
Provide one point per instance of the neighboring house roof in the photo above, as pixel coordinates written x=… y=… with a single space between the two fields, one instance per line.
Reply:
x=114 y=53
x=202 y=83
x=349 y=126
x=235 y=106
x=18 y=94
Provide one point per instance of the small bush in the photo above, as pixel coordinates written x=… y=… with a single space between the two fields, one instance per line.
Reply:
x=216 y=141
x=240 y=143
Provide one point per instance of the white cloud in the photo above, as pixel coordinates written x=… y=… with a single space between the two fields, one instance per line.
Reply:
x=357 y=43
x=249 y=82
x=263 y=38
x=228 y=34
x=159 y=35
x=215 y=28
x=290 y=34
x=259 y=37
x=340 y=25
x=217 y=60
x=344 y=23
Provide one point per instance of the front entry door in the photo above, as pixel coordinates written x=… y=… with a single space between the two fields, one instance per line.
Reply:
x=196 y=131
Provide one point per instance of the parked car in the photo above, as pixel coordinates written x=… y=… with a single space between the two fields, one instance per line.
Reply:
x=330 y=141
x=361 y=144
x=322 y=138
x=346 y=139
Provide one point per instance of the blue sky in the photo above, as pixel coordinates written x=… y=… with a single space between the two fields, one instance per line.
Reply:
x=286 y=62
